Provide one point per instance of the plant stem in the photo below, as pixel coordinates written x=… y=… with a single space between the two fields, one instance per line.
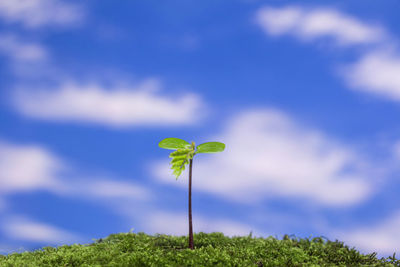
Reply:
x=191 y=246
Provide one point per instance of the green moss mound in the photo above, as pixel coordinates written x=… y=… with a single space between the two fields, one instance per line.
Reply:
x=214 y=249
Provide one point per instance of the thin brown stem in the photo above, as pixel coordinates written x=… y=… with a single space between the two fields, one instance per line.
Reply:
x=191 y=246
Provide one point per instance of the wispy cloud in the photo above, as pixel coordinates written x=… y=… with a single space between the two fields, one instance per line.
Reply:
x=30 y=168
x=6 y=248
x=26 y=168
x=38 y=13
x=26 y=58
x=135 y=105
x=21 y=228
x=377 y=73
x=268 y=155
x=315 y=23
x=3 y=205
x=16 y=49
x=384 y=237
x=107 y=188
x=176 y=224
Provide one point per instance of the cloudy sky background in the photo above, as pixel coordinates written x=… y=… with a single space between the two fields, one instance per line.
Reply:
x=306 y=98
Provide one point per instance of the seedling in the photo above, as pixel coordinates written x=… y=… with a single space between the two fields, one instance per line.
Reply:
x=183 y=154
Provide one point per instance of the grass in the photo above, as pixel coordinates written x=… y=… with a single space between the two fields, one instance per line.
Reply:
x=214 y=249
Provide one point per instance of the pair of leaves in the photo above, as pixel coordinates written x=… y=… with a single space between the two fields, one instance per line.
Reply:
x=176 y=143
x=185 y=152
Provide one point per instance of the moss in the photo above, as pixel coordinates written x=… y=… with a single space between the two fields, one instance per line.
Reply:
x=214 y=249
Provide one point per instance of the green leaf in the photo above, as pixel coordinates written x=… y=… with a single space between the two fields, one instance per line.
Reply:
x=179 y=158
x=173 y=143
x=178 y=168
x=210 y=147
x=179 y=152
x=178 y=164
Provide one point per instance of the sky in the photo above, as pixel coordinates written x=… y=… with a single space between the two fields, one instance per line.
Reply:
x=305 y=95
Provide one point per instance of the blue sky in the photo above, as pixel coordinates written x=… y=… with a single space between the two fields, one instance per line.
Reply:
x=305 y=96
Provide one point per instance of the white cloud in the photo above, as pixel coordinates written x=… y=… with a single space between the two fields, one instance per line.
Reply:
x=118 y=107
x=26 y=59
x=317 y=23
x=6 y=248
x=32 y=167
x=107 y=188
x=21 y=228
x=21 y=51
x=177 y=224
x=377 y=73
x=26 y=168
x=276 y=21
x=37 y=13
x=269 y=155
x=396 y=151
x=383 y=238
x=3 y=205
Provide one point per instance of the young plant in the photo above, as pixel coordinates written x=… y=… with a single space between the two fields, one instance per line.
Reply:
x=183 y=154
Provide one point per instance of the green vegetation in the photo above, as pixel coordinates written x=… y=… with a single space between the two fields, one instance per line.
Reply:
x=184 y=152
x=183 y=155
x=214 y=249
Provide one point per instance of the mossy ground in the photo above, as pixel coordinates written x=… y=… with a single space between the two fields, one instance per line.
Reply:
x=214 y=249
